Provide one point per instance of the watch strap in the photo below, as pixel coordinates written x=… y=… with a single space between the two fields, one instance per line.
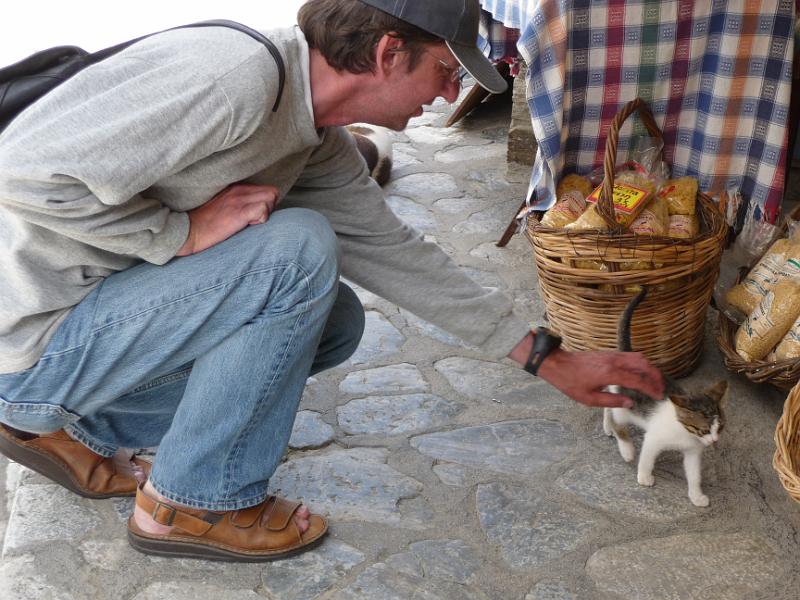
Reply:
x=544 y=342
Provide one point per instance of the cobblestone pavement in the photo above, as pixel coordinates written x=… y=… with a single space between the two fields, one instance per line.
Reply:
x=447 y=476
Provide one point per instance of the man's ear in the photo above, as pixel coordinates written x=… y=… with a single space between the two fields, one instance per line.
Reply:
x=388 y=53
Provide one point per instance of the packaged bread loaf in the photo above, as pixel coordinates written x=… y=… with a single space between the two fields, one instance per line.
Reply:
x=766 y=273
x=569 y=207
x=632 y=191
x=573 y=182
x=653 y=220
x=789 y=346
x=683 y=226
x=590 y=219
x=770 y=320
x=680 y=195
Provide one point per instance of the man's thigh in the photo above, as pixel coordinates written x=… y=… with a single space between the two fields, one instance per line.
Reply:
x=150 y=320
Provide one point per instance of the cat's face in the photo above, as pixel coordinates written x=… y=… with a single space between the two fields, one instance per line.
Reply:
x=702 y=414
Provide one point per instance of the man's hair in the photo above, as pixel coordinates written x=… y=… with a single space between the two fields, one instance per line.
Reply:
x=346 y=32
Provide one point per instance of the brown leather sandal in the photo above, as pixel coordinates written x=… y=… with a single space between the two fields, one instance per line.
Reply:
x=260 y=533
x=71 y=464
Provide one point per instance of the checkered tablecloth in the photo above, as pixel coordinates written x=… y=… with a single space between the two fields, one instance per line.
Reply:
x=716 y=75
x=498 y=42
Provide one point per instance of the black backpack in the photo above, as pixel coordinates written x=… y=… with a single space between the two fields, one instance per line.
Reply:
x=24 y=82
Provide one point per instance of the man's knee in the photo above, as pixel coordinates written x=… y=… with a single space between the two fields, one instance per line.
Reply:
x=304 y=237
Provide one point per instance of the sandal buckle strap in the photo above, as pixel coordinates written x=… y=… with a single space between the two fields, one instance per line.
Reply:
x=160 y=517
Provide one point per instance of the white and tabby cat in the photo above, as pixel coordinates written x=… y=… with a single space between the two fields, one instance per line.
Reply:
x=688 y=422
x=375 y=145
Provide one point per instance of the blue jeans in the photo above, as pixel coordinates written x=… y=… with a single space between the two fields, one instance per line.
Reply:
x=205 y=357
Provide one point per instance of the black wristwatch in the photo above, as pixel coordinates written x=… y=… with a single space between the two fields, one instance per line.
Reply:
x=544 y=342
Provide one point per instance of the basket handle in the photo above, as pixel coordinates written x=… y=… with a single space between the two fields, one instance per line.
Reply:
x=605 y=205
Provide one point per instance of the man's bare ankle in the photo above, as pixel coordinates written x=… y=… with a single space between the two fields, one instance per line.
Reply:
x=144 y=520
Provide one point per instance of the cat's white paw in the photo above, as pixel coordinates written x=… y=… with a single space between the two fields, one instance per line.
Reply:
x=627 y=451
x=699 y=499
x=646 y=479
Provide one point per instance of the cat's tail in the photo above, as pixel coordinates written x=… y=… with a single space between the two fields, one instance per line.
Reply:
x=624 y=329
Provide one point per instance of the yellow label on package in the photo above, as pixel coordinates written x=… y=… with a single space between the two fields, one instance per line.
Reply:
x=627 y=198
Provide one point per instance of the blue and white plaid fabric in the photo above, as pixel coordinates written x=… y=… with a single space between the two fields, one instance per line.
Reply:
x=717 y=77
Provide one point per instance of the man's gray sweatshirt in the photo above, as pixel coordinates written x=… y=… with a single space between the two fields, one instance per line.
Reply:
x=98 y=176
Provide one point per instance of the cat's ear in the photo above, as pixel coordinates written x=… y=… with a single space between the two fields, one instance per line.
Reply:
x=680 y=400
x=717 y=392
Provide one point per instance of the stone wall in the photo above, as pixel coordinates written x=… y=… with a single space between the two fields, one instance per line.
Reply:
x=521 y=143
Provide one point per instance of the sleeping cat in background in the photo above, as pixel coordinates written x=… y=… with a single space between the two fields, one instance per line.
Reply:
x=375 y=145
x=685 y=421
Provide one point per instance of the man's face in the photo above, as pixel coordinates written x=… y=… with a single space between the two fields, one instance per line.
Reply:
x=436 y=74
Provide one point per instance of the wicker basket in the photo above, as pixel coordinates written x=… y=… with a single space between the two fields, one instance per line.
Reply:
x=783 y=375
x=787 y=445
x=669 y=324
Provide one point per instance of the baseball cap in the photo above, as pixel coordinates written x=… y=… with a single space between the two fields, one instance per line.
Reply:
x=456 y=22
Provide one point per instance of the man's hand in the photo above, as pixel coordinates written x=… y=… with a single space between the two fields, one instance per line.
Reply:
x=583 y=375
x=230 y=211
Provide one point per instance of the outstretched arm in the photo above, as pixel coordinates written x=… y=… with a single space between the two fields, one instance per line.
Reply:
x=583 y=375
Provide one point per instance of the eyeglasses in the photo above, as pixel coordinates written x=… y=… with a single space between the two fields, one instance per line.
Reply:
x=452 y=74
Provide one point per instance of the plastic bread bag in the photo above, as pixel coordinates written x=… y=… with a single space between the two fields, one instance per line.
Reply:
x=789 y=346
x=590 y=219
x=680 y=195
x=781 y=261
x=574 y=182
x=653 y=220
x=756 y=237
x=570 y=206
x=770 y=321
x=683 y=227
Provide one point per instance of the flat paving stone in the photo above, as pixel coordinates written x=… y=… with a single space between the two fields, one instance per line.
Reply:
x=426 y=118
x=459 y=206
x=312 y=573
x=348 y=484
x=483 y=380
x=529 y=530
x=395 y=415
x=47 y=513
x=609 y=483
x=431 y=331
x=403 y=378
x=110 y=555
x=404 y=155
x=438 y=136
x=551 y=590
x=501 y=257
x=380 y=582
x=310 y=431
x=449 y=560
x=412 y=213
x=483 y=222
x=424 y=186
x=183 y=590
x=21 y=579
x=381 y=340
x=468 y=153
x=123 y=508
x=691 y=566
x=520 y=448
x=493 y=181
x=450 y=474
